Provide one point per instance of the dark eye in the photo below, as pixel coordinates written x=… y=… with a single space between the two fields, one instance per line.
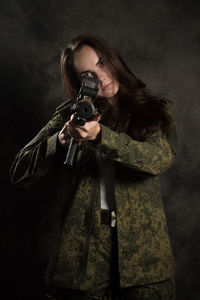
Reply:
x=101 y=63
x=89 y=74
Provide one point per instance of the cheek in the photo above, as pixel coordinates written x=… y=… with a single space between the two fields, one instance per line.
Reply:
x=110 y=76
x=117 y=85
x=107 y=73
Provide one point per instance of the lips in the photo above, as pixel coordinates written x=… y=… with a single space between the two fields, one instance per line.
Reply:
x=106 y=86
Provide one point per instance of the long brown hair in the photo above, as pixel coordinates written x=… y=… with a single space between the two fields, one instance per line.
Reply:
x=141 y=113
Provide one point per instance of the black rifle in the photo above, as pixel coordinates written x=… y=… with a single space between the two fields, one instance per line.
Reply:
x=84 y=109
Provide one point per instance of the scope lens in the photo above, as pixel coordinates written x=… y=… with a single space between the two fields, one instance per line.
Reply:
x=85 y=110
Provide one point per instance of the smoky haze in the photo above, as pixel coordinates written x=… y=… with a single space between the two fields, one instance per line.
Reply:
x=160 y=41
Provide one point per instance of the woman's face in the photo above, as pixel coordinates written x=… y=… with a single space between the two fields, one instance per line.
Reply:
x=87 y=61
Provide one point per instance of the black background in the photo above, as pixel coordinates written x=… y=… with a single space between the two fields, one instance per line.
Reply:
x=160 y=41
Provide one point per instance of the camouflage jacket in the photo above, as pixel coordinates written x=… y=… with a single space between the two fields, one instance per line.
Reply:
x=144 y=250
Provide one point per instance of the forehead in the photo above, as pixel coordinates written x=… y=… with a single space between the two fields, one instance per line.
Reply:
x=85 y=59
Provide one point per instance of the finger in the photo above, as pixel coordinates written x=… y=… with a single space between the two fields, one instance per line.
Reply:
x=65 y=128
x=77 y=127
x=74 y=134
x=73 y=119
x=97 y=117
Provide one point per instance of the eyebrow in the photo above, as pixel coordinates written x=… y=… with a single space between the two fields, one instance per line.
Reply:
x=86 y=71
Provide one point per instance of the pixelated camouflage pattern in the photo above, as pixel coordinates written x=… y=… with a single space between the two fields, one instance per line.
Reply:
x=144 y=253
x=164 y=290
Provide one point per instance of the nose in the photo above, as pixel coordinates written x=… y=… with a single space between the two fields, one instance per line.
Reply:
x=101 y=76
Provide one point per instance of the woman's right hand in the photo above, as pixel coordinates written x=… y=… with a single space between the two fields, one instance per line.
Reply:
x=64 y=135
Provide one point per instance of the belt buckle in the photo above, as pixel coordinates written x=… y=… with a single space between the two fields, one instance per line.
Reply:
x=113 y=222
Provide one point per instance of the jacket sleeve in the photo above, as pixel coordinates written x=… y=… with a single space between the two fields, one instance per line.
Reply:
x=41 y=154
x=153 y=156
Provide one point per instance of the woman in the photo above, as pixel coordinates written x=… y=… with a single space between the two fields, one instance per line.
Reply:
x=113 y=240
